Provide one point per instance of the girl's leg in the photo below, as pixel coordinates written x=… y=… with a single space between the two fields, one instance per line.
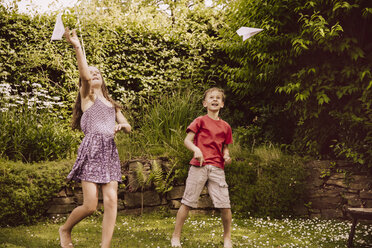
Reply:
x=90 y=200
x=226 y=221
x=110 y=204
x=182 y=214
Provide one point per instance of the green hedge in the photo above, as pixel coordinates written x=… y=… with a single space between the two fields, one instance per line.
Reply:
x=25 y=189
x=30 y=136
x=265 y=188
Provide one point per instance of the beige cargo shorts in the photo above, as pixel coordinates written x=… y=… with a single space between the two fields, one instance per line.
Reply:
x=216 y=184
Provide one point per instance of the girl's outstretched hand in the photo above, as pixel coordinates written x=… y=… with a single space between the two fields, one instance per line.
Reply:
x=72 y=39
x=124 y=126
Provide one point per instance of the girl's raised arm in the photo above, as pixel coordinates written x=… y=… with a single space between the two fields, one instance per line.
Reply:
x=81 y=60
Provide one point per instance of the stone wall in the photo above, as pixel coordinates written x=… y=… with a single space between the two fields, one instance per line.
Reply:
x=130 y=198
x=331 y=188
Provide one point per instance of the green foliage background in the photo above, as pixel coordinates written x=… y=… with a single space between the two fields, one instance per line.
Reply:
x=303 y=83
x=308 y=74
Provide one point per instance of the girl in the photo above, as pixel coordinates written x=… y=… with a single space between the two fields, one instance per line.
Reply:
x=97 y=163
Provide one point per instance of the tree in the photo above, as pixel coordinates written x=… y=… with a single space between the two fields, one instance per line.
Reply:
x=311 y=64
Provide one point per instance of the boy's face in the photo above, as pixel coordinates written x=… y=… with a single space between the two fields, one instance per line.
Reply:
x=213 y=101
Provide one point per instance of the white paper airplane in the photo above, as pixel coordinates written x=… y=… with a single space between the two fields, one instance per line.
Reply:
x=246 y=32
x=59 y=29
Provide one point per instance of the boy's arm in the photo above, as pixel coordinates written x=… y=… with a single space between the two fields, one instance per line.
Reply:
x=226 y=154
x=189 y=143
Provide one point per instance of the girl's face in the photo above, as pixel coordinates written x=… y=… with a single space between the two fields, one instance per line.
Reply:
x=96 y=80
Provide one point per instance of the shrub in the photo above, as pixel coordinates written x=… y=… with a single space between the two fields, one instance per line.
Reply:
x=266 y=183
x=163 y=129
x=31 y=137
x=25 y=189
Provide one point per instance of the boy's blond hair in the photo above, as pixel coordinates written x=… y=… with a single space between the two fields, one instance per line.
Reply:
x=214 y=89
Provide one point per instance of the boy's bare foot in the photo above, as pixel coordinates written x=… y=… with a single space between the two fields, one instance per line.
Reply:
x=175 y=242
x=227 y=243
x=65 y=238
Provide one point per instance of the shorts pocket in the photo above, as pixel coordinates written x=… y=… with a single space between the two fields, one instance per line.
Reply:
x=224 y=190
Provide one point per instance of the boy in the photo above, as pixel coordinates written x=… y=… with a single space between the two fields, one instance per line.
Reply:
x=208 y=137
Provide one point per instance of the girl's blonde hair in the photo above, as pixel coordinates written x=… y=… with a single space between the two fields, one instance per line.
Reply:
x=77 y=112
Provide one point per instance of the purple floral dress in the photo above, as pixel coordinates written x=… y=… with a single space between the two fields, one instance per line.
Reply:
x=97 y=159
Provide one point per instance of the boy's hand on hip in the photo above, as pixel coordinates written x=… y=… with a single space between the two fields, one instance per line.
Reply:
x=199 y=156
x=227 y=159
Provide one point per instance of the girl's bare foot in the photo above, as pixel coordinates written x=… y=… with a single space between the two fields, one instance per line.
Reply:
x=227 y=243
x=175 y=242
x=65 y=238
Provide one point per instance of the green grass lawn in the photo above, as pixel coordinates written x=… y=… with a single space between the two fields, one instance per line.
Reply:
x=154 y=230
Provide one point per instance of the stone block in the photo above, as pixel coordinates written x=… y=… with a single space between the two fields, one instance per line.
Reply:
x=315 y=215
x=77 y=189
x=163 y=201
x=176 y=193
x=63 y=200
x=60 y=209
x=132 y=200
x=332 y=191
x=313 y=179
x=315 y=182
x=62 y=193
x=367 y=203
x=120 y=205
x=79 y=198
x=300 y=210
x=332 y=213
x=337 y=180
x=204 y=191
x=366 y=194
x=205 y=202
x=326 y=202
x=359 y=182
x=353 y=191
x=319 y=164
x=100 y=195
x=353 y=200
x=69 y=191
x=316 y=202
x=332 y=202
x=121 y=193
x=314 y=194
x=326 y=192
x=314 y=211
x=133 y=165
x=337 y=176
x=132 y=181
x=175 y=204
x=150 y=198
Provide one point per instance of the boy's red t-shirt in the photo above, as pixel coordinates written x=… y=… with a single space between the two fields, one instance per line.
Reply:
x=210 y=136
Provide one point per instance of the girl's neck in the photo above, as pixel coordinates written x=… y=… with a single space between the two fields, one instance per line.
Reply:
x=98 y=92
x=213 y=115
